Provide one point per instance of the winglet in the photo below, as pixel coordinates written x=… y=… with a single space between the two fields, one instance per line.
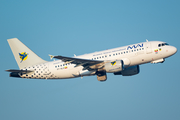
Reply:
x=51 y=57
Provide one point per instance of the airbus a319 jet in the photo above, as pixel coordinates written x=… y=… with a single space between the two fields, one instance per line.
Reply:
x=123 y=61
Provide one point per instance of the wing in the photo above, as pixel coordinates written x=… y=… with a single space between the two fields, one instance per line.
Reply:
x=86 y=63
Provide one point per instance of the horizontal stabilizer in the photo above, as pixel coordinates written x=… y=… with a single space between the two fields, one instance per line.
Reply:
x=19 y=71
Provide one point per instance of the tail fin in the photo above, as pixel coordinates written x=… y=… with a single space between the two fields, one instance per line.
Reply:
x=23 y=55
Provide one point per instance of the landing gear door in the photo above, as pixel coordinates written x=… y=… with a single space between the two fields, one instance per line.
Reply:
x=148 y=48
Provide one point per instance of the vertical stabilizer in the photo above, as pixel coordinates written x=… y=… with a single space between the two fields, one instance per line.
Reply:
x=23 y=55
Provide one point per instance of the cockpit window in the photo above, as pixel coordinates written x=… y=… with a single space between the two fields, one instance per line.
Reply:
x=163 y=44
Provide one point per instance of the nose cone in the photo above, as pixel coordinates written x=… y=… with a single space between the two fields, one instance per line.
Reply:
x=174 y=50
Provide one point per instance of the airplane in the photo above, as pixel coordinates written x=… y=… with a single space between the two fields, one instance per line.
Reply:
x=123 y=61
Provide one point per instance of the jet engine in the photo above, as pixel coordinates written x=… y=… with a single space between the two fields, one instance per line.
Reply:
x=114 y=66
x=133 y=70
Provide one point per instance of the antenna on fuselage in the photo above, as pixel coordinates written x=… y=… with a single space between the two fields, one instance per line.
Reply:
x=147 y=40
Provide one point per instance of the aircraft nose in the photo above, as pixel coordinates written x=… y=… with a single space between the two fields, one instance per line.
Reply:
x=174 y=49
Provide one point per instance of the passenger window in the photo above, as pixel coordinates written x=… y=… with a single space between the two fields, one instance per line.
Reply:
x=105 y=56
x=137 y=49
x=114 y=54
x=109 y=55
x=132 y=50
x=126 y=51
x=94 y=58
x=142 y=48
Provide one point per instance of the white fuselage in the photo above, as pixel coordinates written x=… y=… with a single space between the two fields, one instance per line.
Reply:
x=132 y=55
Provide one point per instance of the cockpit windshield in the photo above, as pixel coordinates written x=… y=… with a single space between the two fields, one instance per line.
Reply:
x=163 y=44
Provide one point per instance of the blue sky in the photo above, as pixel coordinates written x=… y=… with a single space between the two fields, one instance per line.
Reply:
x=77 y=27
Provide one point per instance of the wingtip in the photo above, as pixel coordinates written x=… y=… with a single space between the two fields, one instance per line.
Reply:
x=51 y=56
x=7 y=70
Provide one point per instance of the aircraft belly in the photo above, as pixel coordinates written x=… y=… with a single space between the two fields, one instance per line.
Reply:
x=67 y=73
x=140 y=59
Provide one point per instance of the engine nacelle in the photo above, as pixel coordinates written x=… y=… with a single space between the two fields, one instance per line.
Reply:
x=114 y=66
x=133 y=70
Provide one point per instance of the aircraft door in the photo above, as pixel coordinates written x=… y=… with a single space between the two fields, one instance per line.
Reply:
x=148 y=48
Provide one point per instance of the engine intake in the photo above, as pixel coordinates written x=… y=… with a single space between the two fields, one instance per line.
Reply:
x=133 y=70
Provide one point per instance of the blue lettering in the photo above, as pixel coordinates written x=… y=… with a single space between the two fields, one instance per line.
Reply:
x=134 y=46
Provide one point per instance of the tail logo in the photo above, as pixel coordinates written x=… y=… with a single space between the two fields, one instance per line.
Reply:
x=23 y=56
